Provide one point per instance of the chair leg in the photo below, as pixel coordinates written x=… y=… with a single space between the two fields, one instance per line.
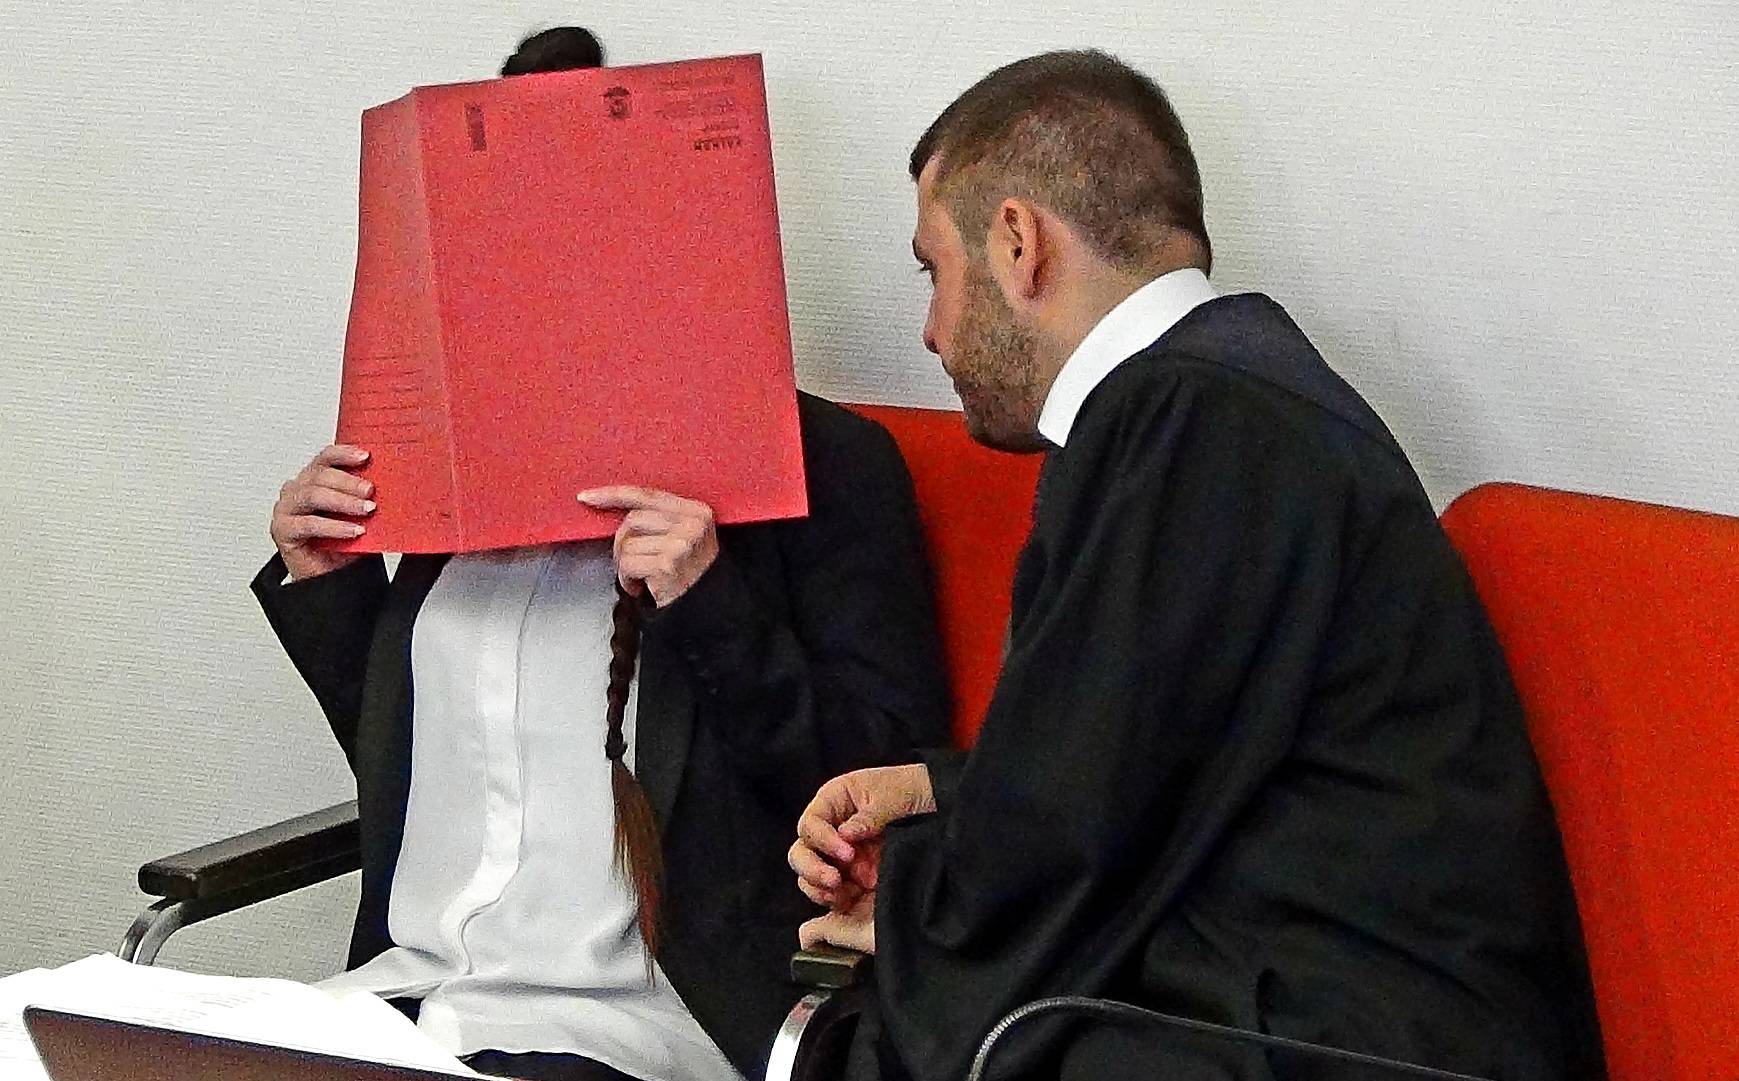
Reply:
x=151 y=929
x=815 y=1040
x=782 y=1062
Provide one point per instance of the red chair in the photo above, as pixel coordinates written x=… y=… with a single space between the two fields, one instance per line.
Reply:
x=976 y=508
x=1621 y=623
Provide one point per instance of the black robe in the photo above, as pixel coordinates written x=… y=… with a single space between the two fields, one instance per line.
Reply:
x=1254 y=757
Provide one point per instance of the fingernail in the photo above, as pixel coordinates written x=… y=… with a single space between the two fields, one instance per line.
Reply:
x=368 y=487
x=368 y=506
x=356 y=530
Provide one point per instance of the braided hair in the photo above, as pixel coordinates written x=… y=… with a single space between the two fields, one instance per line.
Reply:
x=638 y=854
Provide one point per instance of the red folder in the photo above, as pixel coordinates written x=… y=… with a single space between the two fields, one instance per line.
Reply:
x=564 y=281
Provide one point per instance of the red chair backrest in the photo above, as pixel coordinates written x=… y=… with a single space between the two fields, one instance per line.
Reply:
x=1621 y=623
x=976 y=507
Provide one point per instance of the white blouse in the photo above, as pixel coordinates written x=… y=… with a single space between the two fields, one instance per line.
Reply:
x=509 y=920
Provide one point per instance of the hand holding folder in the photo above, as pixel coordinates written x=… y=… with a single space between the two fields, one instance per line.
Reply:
x=565 y=281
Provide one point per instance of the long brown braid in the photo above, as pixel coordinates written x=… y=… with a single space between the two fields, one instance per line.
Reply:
x=639 y=855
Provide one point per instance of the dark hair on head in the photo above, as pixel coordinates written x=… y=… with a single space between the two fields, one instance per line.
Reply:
x=560 y=48
x=1082 y=134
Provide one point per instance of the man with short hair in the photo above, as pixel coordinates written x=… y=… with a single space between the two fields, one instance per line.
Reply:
x=1254 y=756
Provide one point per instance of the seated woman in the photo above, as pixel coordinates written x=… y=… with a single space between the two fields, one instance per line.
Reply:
x=493 y=705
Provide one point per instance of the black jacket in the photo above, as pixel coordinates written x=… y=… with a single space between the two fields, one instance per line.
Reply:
x=807 y=650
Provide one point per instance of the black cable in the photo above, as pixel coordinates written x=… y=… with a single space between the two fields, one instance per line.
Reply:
x=1123 y=1011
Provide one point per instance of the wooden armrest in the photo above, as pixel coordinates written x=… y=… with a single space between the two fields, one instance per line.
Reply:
x=830 y=968
x=265 y=862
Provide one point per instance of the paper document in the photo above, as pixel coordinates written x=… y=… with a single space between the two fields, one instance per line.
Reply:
x=281 y=1013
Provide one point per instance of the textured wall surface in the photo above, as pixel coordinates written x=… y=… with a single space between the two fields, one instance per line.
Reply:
x=1511 y=225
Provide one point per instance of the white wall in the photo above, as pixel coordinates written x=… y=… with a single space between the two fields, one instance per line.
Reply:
x=1512 y=225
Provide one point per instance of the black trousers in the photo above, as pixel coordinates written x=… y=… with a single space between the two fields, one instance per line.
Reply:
x=540 y=1066
x=534 y=1066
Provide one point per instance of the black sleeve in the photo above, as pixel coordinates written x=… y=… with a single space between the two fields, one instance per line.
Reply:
x=853 y=677
x=1187 y=575
x=325 y=625
x=945 y=765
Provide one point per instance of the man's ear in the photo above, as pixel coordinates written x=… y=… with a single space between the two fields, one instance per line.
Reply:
x=1017 y=249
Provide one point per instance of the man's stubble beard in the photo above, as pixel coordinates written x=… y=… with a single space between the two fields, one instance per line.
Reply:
x=997 y=359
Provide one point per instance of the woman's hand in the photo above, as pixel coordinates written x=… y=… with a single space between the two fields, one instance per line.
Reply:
x=308 y=503
x=665 y=542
